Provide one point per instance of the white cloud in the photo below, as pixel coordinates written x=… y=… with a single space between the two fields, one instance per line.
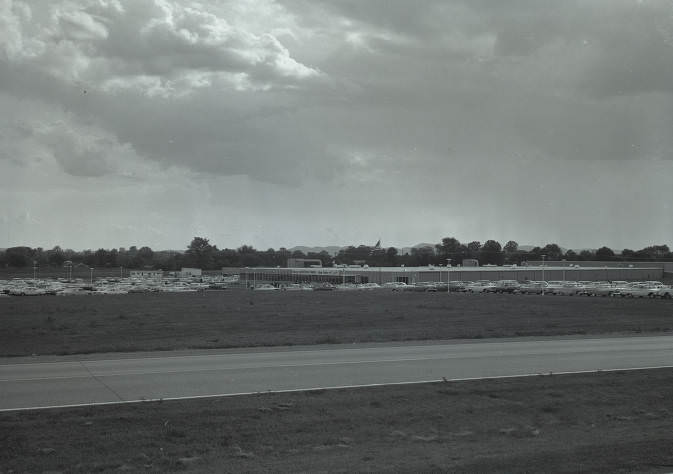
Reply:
x=135 y=44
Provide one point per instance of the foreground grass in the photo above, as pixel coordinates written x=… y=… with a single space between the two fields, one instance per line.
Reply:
x=610 y=422
x=241 y=318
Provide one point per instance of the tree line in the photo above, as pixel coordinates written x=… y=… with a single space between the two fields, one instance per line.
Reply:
x=200 y=253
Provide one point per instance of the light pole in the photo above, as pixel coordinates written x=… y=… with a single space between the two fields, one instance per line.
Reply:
x=543 y=256
x=34 y=270
x=68 y=270
x=448 y=275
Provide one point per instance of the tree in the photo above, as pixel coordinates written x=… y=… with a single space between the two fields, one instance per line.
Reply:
x=449 y=248
x=19 y=256
x=422 y=256
x=512 y=254
x=200 y=253
x=324 y=257
x=351 y=254
x=552 y=252
x=628 y=254
x=55 y=256
x=228 y=258
x=571 y=255
x=586 y=255
x=491 y=253
x=391 y=256
x=654 y=252
x=473 y=249
x=604 y=253
x=146 y=256
x=249 y=257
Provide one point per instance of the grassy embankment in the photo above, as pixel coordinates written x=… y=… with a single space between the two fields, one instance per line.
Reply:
x=242 y=318
x=607 y=422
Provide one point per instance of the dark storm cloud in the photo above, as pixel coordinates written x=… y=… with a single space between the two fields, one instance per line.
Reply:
x=354 y=95
x=185 y=86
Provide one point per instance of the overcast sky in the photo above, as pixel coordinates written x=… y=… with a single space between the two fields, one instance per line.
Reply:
x=307 y=122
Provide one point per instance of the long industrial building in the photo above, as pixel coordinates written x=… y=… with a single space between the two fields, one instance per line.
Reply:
x=411 y=275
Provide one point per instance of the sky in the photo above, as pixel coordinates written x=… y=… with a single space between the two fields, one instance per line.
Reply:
x=315 y=122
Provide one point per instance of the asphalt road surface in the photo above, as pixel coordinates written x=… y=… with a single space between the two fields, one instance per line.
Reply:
x=85 y=380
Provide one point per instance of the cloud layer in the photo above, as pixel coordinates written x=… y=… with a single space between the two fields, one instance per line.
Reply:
x=339 y=108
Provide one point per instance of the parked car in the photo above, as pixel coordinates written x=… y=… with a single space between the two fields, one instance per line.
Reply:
x=569 y=288
x=604 y=289
x=505 y=286
x=622 y=288
x=296 y=287
x=643 y=290
x=430 y=286
x=324 y=287
x=665 y=292
x=554 y=285
x=533 y=288
x=480 y=286
x=457 y=285
x=265 y=287
x=586 y=288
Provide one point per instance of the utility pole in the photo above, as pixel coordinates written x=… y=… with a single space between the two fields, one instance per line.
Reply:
x=543 y=256
x=448 y=275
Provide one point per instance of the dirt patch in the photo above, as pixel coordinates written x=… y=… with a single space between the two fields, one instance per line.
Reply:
x=609 y=422
x=240 y=318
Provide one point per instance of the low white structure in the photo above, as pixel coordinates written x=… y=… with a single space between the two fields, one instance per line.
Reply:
x=412 y=275
x=147 y=274
x=189 y=272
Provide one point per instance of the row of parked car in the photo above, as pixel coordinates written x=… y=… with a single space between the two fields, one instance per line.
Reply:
x=108 y=286
x=624 y=289
x=645 y=289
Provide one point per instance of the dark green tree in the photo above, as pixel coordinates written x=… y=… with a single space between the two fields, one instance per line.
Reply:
x=473 y=249
x=55 y=256
x=200 y=253
x=604 y=253
x=511 y=247
x=449 y=248
x=491 y=253
x=571 y=255
x=19 y=256
x=422 y=256
x=552 y=252
x=586 y=255
x=391 y=256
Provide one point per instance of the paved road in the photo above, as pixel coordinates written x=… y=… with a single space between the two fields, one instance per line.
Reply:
x=32 y=384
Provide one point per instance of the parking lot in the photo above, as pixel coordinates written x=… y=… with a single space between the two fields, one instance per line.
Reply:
x=73 y=287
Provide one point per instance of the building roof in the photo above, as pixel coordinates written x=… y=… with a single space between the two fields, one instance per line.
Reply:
x=339 y=270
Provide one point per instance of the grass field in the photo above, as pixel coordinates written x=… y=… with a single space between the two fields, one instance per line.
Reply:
x=240 y=318
x=606 y=422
